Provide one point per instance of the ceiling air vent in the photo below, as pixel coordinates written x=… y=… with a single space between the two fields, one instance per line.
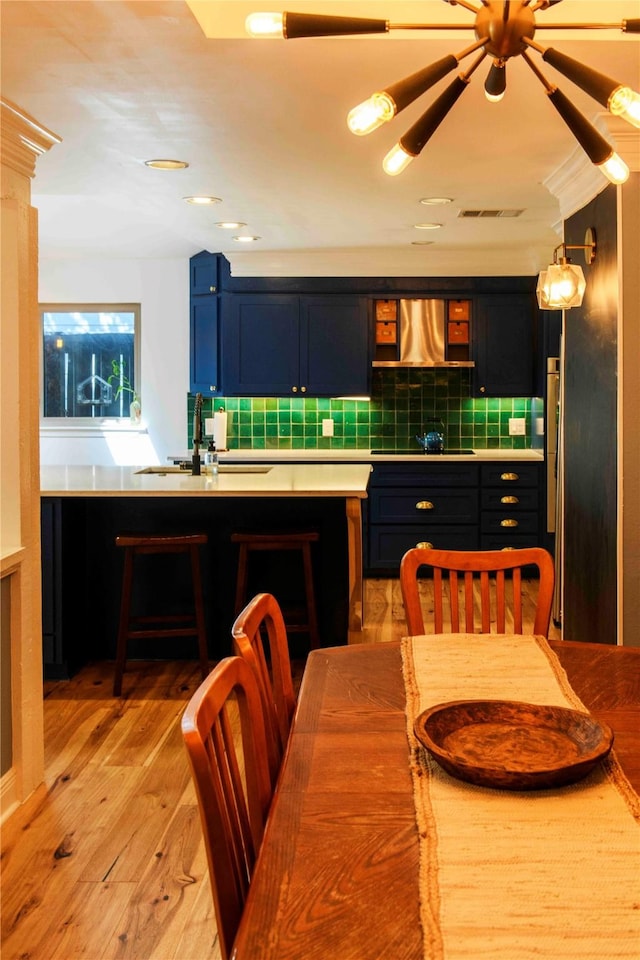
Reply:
x=489 y=214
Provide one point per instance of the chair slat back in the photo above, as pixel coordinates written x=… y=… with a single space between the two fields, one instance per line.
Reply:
x=480 y=578
x=223 y=732
x=260 y=621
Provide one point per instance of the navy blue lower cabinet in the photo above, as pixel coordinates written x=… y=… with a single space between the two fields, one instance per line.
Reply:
x=388 y=544
x=510 y=505
x=420 y=503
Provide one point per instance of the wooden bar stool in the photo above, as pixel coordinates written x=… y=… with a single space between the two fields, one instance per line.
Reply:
x=184 y=625
x=294 y=540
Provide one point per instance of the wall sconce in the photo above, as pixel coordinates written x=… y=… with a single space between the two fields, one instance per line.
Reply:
x=562 y=285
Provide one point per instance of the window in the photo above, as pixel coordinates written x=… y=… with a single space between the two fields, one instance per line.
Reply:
x=90 y=359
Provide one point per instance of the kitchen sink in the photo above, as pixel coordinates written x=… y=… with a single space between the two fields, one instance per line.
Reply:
x=222 y=468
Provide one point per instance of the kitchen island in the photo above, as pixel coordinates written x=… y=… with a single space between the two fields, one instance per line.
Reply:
x=85 y=507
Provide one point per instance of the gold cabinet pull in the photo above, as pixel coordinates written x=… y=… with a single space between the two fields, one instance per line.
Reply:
x=212 y=289
x=424 y=545
x=509 y=476
x=424 y=505
x=509 y=500
x=303 y=389
x=509 y=523
x=507 y=548
x=294 y=389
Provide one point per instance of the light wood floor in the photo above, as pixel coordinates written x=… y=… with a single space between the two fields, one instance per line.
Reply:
x=106 y=859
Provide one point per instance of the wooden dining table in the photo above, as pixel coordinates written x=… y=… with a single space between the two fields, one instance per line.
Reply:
x=337 y=877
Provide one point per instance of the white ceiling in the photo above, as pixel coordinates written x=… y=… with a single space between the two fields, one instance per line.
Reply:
x=262 y=125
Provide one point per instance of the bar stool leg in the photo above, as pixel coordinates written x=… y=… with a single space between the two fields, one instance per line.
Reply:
x=123 y=628
x=199 y=609
x=312 y=618
x=241 y=581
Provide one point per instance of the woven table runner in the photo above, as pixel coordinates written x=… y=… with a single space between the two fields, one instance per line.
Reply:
x=514 y=875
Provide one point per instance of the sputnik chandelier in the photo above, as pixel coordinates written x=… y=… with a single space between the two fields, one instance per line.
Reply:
x=504 y=29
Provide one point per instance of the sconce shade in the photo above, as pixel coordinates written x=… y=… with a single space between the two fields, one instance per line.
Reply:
x=560 y=287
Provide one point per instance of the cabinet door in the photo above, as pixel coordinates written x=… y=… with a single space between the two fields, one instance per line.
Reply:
x=261 y=345
x=504 y=345
x=203 y=345
x=334 y=345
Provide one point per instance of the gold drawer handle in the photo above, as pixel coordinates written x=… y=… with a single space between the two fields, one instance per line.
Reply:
x=509 y=500
x=508 y=523
x=424 y=505
x=424 y=545
x=507 y=548
x=509 y=476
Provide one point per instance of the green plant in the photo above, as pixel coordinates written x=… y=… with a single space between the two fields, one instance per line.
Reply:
x=124 y=384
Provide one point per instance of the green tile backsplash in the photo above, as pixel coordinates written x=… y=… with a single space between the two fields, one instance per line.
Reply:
x=402 y=400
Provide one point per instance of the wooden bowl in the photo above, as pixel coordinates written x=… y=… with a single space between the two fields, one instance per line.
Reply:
x=513 y=745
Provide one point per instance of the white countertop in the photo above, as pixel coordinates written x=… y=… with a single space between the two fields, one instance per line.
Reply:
x=365 y=456
x=281 y=480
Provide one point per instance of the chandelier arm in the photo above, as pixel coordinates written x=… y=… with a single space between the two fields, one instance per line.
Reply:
x=466 y=4
x=626 y=26
x=597 y=85
x=416 y=137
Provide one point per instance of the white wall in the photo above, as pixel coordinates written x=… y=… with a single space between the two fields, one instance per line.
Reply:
x=162 y=289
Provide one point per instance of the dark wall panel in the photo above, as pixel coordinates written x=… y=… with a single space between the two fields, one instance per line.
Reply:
x=591 y=432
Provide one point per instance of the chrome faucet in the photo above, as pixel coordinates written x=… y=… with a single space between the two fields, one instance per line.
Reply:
x=197 y=435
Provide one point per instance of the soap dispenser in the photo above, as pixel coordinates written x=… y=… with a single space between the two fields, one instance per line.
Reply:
x=211 y=458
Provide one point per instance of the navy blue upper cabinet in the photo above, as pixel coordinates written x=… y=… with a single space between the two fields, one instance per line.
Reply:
x=504 y=345
x=203 y=274
x=289 y=344
x=204 y=323
x=335 y=356
x=260 y=345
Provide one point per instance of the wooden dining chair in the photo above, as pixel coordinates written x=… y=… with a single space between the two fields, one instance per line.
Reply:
x=232 y=783
x=466 y=570
x=262 y=621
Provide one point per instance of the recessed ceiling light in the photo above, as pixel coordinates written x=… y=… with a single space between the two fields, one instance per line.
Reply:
x=230 y=224
x=421 y=243
x=435 y=201
x=427 y=226
x=246 y=239
x=166 y=164
x=203 y=201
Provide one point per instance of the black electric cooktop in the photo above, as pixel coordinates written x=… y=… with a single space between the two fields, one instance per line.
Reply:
x=406 y=451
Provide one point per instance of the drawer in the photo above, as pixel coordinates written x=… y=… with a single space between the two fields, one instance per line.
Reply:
x=387 y=545
x=423 y=505
x=422 y=476
x=513 y=501
x=510 y=474
x=507 y=524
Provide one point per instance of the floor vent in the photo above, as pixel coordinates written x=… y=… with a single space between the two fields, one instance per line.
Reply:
x=489 y=213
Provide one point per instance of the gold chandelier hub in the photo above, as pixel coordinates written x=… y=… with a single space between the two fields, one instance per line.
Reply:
x=504 y=24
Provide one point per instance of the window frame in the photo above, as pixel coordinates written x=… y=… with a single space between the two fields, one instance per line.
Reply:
x=90 y=424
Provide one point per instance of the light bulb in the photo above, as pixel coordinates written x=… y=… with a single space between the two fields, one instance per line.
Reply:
x=371 y=114
x=396 y=160
x=625 y=102
x=615 y=169
x=267 y=25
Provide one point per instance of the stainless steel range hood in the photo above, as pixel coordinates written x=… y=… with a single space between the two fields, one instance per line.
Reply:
x=423 y=326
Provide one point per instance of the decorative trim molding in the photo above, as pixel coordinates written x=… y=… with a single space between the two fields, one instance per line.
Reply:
x=577 y=181
x=23 y=139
